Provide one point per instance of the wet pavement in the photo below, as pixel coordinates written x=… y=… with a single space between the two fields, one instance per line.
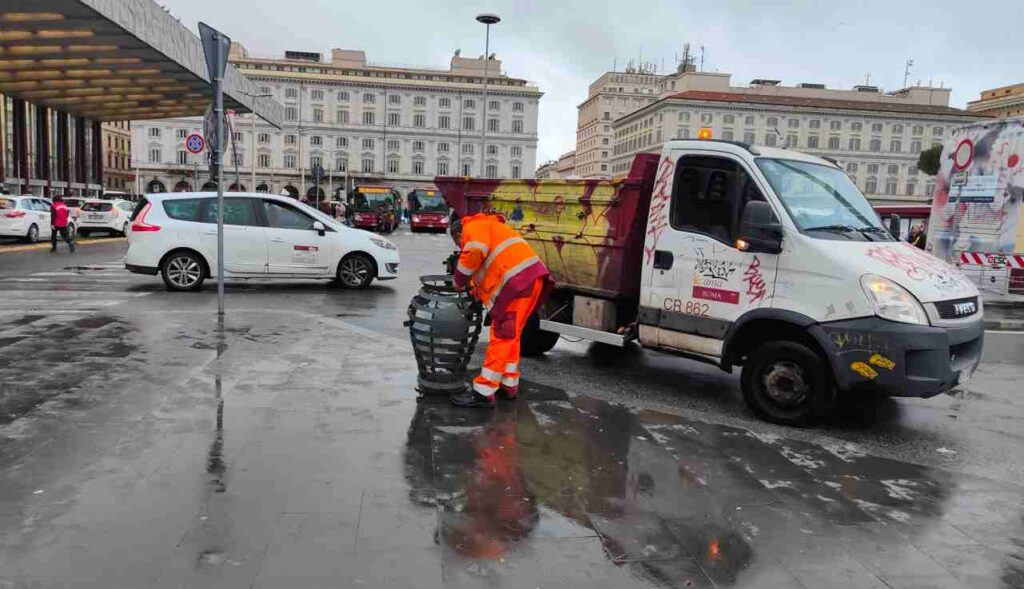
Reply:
x=141 y=445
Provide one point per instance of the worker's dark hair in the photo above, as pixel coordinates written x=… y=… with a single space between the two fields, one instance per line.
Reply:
x=58 y=198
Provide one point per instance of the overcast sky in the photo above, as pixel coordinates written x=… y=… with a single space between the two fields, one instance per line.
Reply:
x=563 y=45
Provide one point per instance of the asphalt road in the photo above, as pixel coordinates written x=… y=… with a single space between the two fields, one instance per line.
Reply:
x=141 y=446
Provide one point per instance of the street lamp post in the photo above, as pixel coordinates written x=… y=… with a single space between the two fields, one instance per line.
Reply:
x=488 y=20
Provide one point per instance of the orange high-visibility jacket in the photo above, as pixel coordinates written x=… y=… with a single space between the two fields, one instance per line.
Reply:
x=498 y=264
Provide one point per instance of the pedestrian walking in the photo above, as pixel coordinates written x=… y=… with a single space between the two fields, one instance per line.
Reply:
x=59 y=224
x=918 y=238
x=503 y=271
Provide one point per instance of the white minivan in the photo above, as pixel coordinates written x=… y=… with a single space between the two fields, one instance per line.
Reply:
x=265 y=236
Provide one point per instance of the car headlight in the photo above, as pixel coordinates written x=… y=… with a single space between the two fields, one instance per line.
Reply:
x=891 y=301
x=415 y=218
x=383 y=243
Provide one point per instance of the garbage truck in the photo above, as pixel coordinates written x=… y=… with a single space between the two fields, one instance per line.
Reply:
x=977 y=219
x=763 y=259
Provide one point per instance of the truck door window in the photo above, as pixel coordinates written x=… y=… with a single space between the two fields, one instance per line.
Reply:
x=707 y=194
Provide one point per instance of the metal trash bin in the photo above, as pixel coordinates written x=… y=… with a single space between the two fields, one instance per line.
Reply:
x=444 y=326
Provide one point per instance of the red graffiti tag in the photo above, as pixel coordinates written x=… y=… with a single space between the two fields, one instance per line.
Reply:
x=755 y=281
x=658 y=220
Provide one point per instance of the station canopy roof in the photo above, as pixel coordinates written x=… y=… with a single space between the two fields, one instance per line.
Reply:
x=112 y=60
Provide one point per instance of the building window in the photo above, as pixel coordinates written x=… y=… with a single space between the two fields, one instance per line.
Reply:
x=263 y=160
x=773 y=122
x=791 y=140
x=492 y=125
x=875 y=145
x=890 y=187
x=181 y=133
x=856 y=127
x=369 y=118
x=291 y=113
x=749 y=137
x=851 y=168
x=318 y=115
x=833 y=143
x=316 y=140
x=393 y=145
x=417 y=167
x=728 y=119
x=897 y=128
x=341 y=142
x=367 y=165
x=749 y=121
x=289 y=161
x=367 y=143
x=417 y=146
x=467 y=169
x=492 y=150
x=442 y=168
x=289 y=139
x=419 y=101
x=872 y=168
x=793 y=123
x=492 y=171
x=182 y=157
x=369 y=99
x=893 y=169
x=684 y=117
x=684 y=133
x=937 y=131
x=467 y=149
x=929 y=189
x=444 y=102
x=516 y=151
x=517 y=107
x=726 y=136
x=854 y=144
x=895 y=146
x=911 y=188
x=468 y=123
x=442 y=147
x=814 y=124
x=468 y=103
x=315 y=160
x=393 y=166
x=291 y=93
x=917 y=130
x=154 y=156
x=444 y=122
x=316 y=94
x=394 y=99
x=394 y=118
x=419 y=120
x=706 y=118
x=342 y=117
x=515 y=171
x=812 y=141
x=154 y=132
x=912 y=171
x=517 y=126
x=769 y=139
x=493 y=105
x=871 y=186
x=343 y=96
x=341 y=163
x=835 y=125
x=915 y=147
x=263 y=138
x=876 y=127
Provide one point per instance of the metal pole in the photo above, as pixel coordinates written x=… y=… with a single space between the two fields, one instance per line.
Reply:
x=218 y=113
x=252 y=152
x=483 y=129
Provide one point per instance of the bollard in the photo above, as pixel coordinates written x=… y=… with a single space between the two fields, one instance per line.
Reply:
x=444 y=326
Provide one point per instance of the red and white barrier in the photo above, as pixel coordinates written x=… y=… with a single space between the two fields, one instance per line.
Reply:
x=992 y=260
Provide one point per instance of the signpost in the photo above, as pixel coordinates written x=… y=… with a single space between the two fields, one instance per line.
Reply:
x=215 y=48
x=195 y=144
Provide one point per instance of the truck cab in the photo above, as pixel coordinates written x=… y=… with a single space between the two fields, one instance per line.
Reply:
x=765 y=259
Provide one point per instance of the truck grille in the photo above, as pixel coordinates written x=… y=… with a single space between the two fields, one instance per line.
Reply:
x=957 y=308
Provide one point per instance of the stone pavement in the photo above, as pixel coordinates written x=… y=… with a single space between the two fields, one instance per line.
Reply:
x=288 y=450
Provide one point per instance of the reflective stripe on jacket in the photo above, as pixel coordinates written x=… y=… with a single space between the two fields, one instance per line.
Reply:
x=496 y=262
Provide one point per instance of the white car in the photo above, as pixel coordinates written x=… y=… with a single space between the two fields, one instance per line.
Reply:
x=265 y=236
x=112 y=216
x=27 y=217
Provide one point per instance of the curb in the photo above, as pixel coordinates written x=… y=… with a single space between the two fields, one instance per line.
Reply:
x=1004 y=324
x=44 y=246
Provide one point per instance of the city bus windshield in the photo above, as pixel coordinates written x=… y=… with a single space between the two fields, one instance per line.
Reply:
x=423 y=202
x=372 y=201
x=823 y=201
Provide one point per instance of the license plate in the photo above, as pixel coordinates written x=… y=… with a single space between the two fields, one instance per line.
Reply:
x=95 y=216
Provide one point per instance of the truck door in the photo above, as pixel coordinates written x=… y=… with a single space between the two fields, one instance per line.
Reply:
x=696 y=281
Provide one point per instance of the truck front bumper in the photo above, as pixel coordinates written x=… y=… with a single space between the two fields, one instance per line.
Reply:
x=899 y=359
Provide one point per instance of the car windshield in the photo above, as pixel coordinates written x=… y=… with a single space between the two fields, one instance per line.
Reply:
x=97 y=206
x=823 y=201
x=73 y=202
x=428 y=203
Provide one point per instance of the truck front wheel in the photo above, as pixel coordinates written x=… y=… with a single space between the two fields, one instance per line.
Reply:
x=786 y=382
x=534 y=340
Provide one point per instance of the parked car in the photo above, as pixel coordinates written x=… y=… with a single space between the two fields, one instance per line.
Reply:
x=265 y=236
x=112 y=216
x=27 y=217
x=74 y=203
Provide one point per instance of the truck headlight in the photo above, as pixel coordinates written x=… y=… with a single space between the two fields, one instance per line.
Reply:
x=891 y=301
x=383 y=243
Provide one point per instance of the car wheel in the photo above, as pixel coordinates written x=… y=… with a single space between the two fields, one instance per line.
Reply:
x=124 y=230
x=183 y=271
x=356 y=271
x=33 y=234
x=787 y=383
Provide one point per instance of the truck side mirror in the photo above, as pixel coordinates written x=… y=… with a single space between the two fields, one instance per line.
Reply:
x=894 y=226
x=760 y=231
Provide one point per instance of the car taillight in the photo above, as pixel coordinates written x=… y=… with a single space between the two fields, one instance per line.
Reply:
x=140 y=224
x=14 y=214
x=415 y=218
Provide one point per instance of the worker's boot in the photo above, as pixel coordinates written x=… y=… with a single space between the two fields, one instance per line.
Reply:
x=509 y=393
x=472 y=399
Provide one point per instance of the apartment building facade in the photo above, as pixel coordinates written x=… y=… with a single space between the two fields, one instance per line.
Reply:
x=116 y=140
x=359 y=123
x=1002 y=102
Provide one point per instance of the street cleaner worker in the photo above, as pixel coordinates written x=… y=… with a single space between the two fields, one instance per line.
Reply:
x=505 y=274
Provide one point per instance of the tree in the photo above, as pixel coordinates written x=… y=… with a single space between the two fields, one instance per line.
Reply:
x=930 y=160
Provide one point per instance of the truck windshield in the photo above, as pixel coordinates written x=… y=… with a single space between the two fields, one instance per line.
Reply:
x=422 y=203
x=822 y=200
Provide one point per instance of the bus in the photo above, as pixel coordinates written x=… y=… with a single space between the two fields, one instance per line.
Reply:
x=374 y=207
x=427 y=210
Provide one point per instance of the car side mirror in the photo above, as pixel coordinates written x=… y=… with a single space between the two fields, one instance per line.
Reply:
x=319 y=228
x=760 y=230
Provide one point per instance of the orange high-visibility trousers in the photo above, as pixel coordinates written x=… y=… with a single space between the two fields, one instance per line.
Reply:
x=501 y=363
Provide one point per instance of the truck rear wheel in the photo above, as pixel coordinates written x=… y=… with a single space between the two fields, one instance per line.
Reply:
x=535 y=341
x=786 y=382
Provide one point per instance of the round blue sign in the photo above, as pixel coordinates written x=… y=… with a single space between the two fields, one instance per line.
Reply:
x=195 y=143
